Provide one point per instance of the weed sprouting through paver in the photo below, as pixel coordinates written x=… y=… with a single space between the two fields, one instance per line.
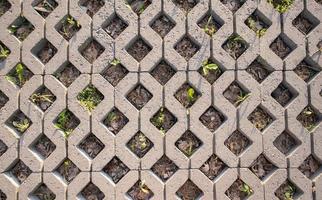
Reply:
x=4 y=52
x=21 y=126
x=207 y=66
x=281 y=5
x=90 y=97
x=246 y=189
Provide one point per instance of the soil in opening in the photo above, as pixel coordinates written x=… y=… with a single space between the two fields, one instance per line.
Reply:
x=4 y=6
x=139 y=144
x=163 y=72
x=91 y=191
x=3 y=99
x=92 y=51
x=280 y=48
x=211 y=74
x=164 y=168
x=212 y=119
x=20 y=171
x=69 y=27
x=239 y=190
x=43 y=98
x=47 y=52
x=92 y=6
x=282 y=94
x=139 y=96
x=44 y=193
x=21 y=28
x=115 y=73
x=233 y=5
x=162 y=25
x=44 y=146
x=260 y=119
x=286 y=191
x=189 y=190
x=92 y=146
x=303 y=23
x=115 y=120
x=139 y=49
x=261 y=167
x=138 y=6
x=116 y=169
x=68 y=74
x=309 y=118
x=115 y=27
x=19 y=122
x=235 y=45
x=68 y=170
x=258 y=70
x=45 y=7
x=163 y=120
x=188 y=143
x=187 y=95
x=140 y=191
x=237 y=143
x=213 y=167
x=285 y=142
x=305 y=71
x=186 y=48
x=235 y=94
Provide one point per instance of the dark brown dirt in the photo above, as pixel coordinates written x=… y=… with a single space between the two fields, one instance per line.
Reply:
x=13 y=76
x=302 y=23
x=3 y=196
x=164 y=168
x=233 y=93
x=40 y=102
x=92 y=192
x=308 y=118
x=20 y=171
x=44 y=146
x=163 y=25
x=319 y=1
x=286 y=188
x=116 y=169
x=92 y=146
x=235 y=191
x=320 y=43
x=19 y=118
x=92 y=51
x=92 y=6
x=115 y=121
x=4 y=48
x=188 y=143
x=310 y=166
x=186 y=5
x=68 y=74
x=282 y=95
x=44 y=193
x=189 y=191
x=114 y=73
x=140 y=191
x=163 y=119
x=69 y=29
x=163 y=72
x=209 y=24
x=237 y=143
x=3 y=147
x=4 y=7
x=261 y=167
x=233 y=5
x=139 y=49
x=212 y=75
x=256 y=23
x=280 y=48
x=70 y=123
x=45 y=7
x=47 y=52
x=139 y=96
x=260 y=119
x=21 y=28
x=305 y=71
x=258 y=71
x=186 y=48
x=235 y=46
x=3 y=99
x=213 y=167
x=115 y=27
x=139 y=144
x=138 y=6
x=212 y=119
x=285 y=142
x=184 y=98
x=68 y=170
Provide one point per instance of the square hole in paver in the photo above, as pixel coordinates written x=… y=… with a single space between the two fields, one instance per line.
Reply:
x=44 y=51
x=305 y=22
x=287 y=190
x=139 y=49
x=5 y=52
x=43 y=98
x=284 y=94
x=163 y=119
x=68 y=27
x=91 y=191
x=115 y=26
x=19 y=122
x=91 y=6
x=139 y=96
x=163 y=72
x=139 y=144
x=309 y=117
x=68 y=170
x=116 y=169
x=42 y=192
x=115 y=72
x=307 y=69
x=262 y=167
x=286 y=142
x=213 y=167
x=20 y=171
x=186 y=47
x=281 y=5
x=185 y=5
x=260 y=118
x=210 y=23
x=138 y=6
x=5 y=5
x=259 y=69
x=282 y=46
x=91 y=50
x=211 y=70
x=237 y=142
x=21 y=28
x=67 y=74
x=164 y=168
x=45 y=7
x=212 y=119
x=310 y=166
x=19 y=75
x=235 y=45
x=258 y=22
x=140 y=191
x=3 y=148
x=115 y=120
x=188 y=143
x=66 y=121
x=91 y=145
x=163 y=25
x=90 y=97
x=235 y=94
x=189 y=190
x=239 y=190
x=187 y=95
x=43 y=146
x=3 y=99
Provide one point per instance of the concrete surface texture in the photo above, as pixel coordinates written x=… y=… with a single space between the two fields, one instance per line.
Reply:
x=161 y=99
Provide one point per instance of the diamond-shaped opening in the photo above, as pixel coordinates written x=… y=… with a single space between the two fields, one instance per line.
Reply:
x=4 y=6
x=212 y=119
x=114 y=26
x=163 y=72
x=43 y=193
x=115 y=72
x=138 y=6
x=262 y=167
x=3 y=147
x=67 y=74
x=44 y=51
x=233 y=5
x=188 y=143
x=307 y=69
x=45 y=7
x=211 y=70
x=2 y=195
x=309 y=118
x=20 y=171
x=91 y=6
x=260 y=118
x=288 y=191
x=213 y=167
x=319 y=1
x=67 y=170
x=21 y=28
x=43 y=98
x=259 y=69
x=115 y=120
x=116 y=169
x=187 y=95
x=43 y=146
x=91 y=191
x=211 y=23
x=19 y=75
x=163 y=25
x=239 y=190
x=139 y=144
x=139 y=49
x=68 y=27
x=284 y=94
x=5 y=52
x=281 y=6
x=237 y=142
x=140 y=191
x=286 y=142
x=66 y=121
x=305 y=22
x=164 y=168
x=189 y=190
x=235 y=94
x=91 y=145
x=163 y=119
x=258 y=22
x=3 y=99
x=310 y=166
x=91 y=50
x=187 y=47
x=235 y=45
x=90 y=97
x=19 y=122
x=139 y=96
x=282 y=46
x=185 y=5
